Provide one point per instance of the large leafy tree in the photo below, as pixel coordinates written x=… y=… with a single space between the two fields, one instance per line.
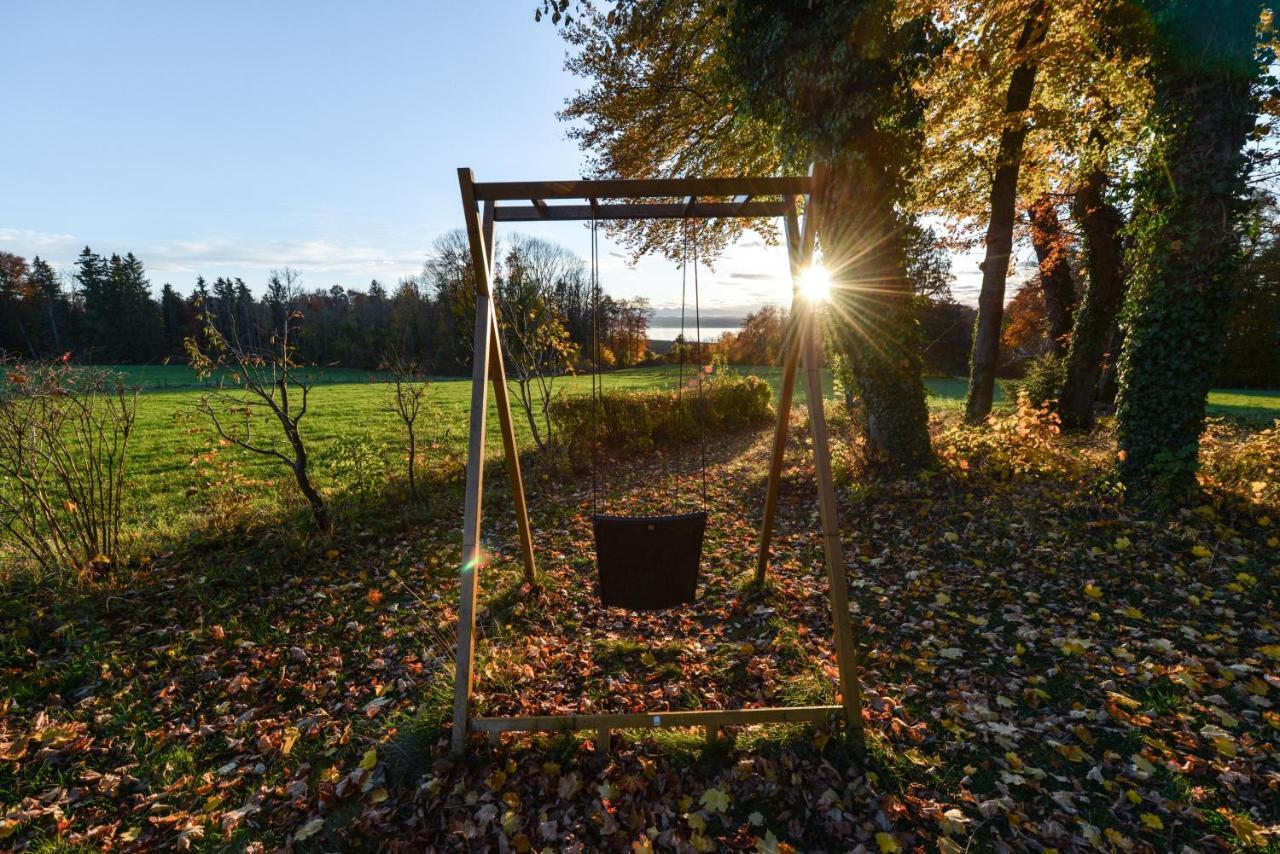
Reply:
x=657 y=104
x=1190 y=202
x=1030 y=106
x=836 y=79
x=681 y=87
x=1004 y=199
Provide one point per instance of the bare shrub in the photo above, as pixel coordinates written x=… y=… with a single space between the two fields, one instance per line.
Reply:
x=64 y=442
x=409 y=386
x=253 y=384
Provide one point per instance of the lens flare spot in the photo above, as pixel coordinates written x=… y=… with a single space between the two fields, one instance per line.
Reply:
x=815 y=284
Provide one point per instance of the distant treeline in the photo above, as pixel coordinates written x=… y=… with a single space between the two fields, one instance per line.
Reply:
x=105 y=312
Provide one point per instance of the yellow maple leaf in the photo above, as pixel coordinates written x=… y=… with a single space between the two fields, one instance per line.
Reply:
x=1093 y=591
x=887 y=843
x=1118 y=839
x=947 y=845
x=953 y=821
x=701 y=843
x=369 y=759
x=1200 y=551
x=714 y=800
x=1143 y=764
x=1245 y=828
x=1071 y=752
x=1152 y=821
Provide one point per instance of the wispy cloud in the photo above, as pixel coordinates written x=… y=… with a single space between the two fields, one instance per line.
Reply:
x=307 y=256
x=26 y=242
x=184 y=259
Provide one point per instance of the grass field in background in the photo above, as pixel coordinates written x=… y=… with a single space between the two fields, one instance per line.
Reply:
x=351 y=433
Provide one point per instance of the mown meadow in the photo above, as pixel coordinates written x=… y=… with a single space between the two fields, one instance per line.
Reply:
x=357 y=443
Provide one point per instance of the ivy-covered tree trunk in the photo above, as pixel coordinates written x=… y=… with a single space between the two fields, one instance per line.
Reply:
x=1187 y=212
x=1056 y=282
x=999 y=242
x=875 y=325
x=1095 y=321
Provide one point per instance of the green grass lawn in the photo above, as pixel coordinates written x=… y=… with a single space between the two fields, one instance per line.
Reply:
x=352 y=434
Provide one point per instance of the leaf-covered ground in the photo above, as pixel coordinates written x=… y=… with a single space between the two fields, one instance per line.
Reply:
x=1045 y=668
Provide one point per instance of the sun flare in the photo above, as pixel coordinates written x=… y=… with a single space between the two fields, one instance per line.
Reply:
x=815 y=283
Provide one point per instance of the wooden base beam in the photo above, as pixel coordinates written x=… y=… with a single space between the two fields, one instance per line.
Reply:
x=711 y=718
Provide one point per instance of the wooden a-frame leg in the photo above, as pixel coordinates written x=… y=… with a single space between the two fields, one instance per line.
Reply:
x=799 y=251
x=502 y=402
x=847 y=656
x=511 y=454
x=473 y=503
x=779 y=449
x=471 y=555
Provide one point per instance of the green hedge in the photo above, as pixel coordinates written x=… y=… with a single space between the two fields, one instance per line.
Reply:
x=631 y=421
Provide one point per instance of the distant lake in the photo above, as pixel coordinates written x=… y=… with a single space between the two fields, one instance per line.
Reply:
x=665 y=332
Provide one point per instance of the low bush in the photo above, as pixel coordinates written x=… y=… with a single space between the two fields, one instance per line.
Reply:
x=1242 y=461
x=635 y=421
x=64 y=442
x=1025 y=442
x=1042 y=379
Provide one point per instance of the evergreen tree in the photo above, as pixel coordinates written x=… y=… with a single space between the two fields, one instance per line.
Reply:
x=174 y=318
x=54 y=308
x=134 y=311
x=93 y=279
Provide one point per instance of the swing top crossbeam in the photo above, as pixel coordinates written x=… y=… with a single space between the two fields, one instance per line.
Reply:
x=686 y=198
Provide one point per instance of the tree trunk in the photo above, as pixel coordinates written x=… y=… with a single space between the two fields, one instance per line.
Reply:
x=53 y=327
x=524 y=385
x=1004 y=197
x=1056 y=283
x=1186 y=234
x=413 y=463
x=1095 y=321
x=875 y=326
x=318 y=510
x=1107 y=385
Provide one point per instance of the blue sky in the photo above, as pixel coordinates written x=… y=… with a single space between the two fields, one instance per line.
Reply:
x=232 y=138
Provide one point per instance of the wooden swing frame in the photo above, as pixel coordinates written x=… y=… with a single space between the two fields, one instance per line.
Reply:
x=750 y=198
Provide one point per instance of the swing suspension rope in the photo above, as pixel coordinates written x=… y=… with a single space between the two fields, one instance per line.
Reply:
x=689 y=249
x=697 y=319
x=595 y=362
